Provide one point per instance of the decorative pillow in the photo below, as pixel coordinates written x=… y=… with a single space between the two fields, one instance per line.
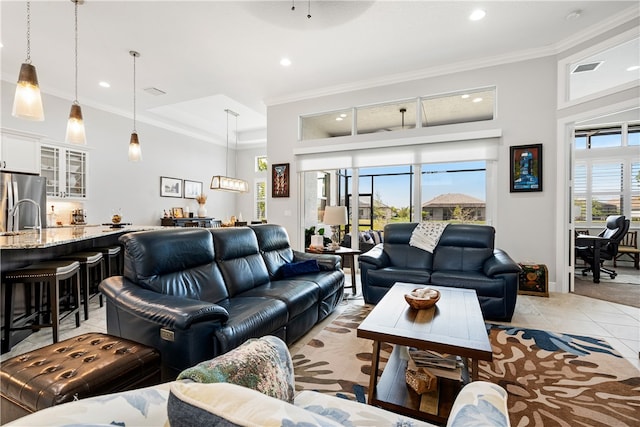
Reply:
x=480 y=403
x=297 y=268
x=365 y=237
x=426 y=235
x=262 y=364
x=376 y=235
x=196 y=405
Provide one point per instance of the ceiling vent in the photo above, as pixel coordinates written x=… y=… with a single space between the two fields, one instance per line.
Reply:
x=581 y=68
x=154 y=91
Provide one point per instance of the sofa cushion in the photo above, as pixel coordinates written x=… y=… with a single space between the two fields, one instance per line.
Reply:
x=238 y=256
x=297 y=268
x=222 y=404
x=250 y=317
x=262 y=364
x=298 y=295
x=387 y=277
x=188 y=268
x=483 y=285
x=275 y=248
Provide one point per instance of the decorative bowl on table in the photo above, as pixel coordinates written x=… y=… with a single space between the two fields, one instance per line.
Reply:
x=422 y=298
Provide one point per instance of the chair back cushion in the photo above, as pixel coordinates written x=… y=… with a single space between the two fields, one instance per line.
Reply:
x=616 y=228
x=400 y=253
x=274 y=245
x=175 y=261
x=238 y=256
x=464 y=247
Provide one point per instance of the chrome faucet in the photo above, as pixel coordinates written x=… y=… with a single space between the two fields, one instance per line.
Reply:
x=37 y=223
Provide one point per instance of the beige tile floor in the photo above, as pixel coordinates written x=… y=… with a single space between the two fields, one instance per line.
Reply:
x=618 y=324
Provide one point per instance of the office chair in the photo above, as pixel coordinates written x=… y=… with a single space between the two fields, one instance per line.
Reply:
x=616 y=227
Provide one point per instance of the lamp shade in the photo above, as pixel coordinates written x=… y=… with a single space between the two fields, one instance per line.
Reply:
x=27 y=103
x=335 y=215
x=75 y=126
x=135 y=152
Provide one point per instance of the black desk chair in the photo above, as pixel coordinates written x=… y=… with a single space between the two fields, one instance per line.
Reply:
x=594 y=250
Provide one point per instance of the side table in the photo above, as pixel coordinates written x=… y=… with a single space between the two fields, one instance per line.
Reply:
x=345 y=253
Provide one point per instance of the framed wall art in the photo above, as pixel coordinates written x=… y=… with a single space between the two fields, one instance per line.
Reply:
x=192 y=189
x=177 y=212
x=170 y=187
x=525 y=168
x=280 y=180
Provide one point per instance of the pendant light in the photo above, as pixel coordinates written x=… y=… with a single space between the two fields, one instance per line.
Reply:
x=27 y=103
x=225 y=182
x=75 y=125
x=135 y=152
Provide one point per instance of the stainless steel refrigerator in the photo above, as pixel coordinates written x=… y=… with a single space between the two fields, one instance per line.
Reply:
x=16 y=187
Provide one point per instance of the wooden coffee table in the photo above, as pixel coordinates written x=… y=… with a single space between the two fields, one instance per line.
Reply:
x=454 y=326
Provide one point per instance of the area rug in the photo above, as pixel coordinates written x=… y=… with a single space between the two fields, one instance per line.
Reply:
x=552 y=379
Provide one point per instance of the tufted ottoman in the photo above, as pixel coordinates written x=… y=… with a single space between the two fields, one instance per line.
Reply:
x=87 y=365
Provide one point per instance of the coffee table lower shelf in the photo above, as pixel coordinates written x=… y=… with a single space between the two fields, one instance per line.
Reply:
x=393 y=393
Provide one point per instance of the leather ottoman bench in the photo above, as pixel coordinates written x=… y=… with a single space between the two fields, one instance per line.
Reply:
x=88 y=365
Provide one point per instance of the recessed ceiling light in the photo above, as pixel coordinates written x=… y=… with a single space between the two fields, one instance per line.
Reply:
x=343 y=115
x=339 y=119
x=285 y=62
x=104 y=84
x=477 y=15
x=633 y=68
x=465 y=96
x=476 y=100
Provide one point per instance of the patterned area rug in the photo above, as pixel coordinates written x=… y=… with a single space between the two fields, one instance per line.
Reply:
x=552 y=379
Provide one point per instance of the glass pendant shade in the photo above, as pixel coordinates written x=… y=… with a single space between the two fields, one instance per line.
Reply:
x=135 y=152
x=75 y=126
x=225 y=183
x=27 y=103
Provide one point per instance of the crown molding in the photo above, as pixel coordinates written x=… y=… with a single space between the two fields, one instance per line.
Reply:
x=623 y=17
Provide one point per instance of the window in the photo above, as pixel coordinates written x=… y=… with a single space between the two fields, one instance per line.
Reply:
x=399 y=115
x=454 y=192
x=606 y=178
x=260 y=205
x=261 y=164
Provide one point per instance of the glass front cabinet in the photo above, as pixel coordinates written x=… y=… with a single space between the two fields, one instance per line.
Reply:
x=65 y=170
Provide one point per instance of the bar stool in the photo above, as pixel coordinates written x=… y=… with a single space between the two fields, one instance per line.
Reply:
x=89 y=263
x=52 y=274
x=112 y=253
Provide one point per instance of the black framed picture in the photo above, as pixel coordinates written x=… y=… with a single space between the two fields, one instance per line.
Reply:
x=526 y=168
x=192 y=189
x=280 y=180
x=170 y=187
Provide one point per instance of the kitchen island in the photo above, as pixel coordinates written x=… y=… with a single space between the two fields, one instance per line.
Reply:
x=29 y=246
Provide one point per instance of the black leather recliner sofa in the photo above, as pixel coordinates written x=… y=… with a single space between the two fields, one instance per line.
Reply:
x=195 y=293
x=465 y=257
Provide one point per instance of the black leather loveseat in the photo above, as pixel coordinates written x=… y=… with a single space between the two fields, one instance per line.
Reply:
x=195 y=293
x=465 y=257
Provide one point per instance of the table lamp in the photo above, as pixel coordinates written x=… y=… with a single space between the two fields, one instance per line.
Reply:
x=335 y=216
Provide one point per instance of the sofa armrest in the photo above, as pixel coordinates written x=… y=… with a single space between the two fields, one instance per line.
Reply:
x=480 y=403
x=325 y=261
x=166 y=310
x=375 y=256
x=500 y=263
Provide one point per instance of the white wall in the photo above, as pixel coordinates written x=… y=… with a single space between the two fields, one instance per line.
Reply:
x=113 y=181
x=247 y=171
x=526 y=114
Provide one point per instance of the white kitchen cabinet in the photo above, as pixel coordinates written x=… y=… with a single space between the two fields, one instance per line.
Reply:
x=19 y=152
x=66 y=171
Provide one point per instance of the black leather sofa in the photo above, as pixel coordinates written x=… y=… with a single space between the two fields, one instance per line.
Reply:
x=465 y=257
x=195 y=293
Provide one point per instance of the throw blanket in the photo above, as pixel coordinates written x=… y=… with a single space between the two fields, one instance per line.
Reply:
x=427 y=234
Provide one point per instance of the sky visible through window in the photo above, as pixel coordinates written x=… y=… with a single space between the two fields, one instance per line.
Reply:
x=438 y=179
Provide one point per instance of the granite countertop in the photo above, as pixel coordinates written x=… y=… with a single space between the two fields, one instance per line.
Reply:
x=48 y=237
